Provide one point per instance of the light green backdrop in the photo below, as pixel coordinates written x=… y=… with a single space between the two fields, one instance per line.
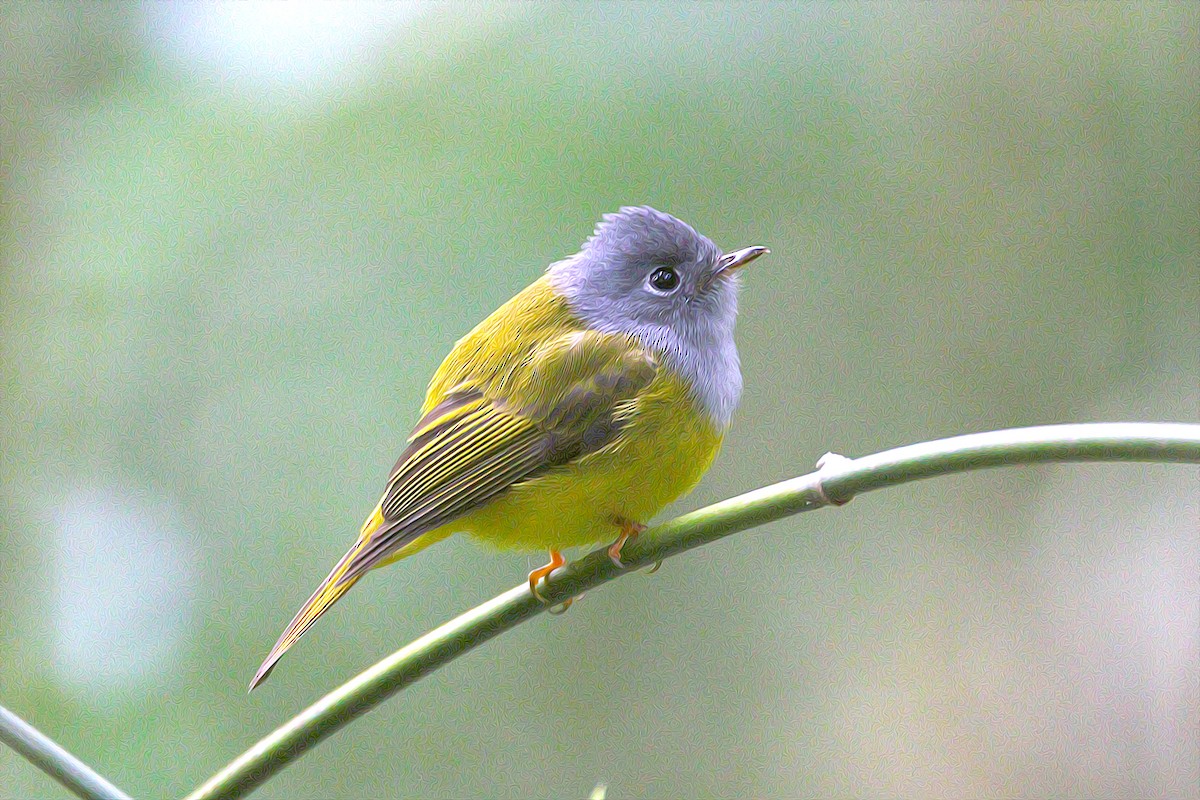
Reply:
x=221 y=294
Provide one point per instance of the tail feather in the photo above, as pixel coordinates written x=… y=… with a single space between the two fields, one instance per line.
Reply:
x=336 y=584
x=328 y=593
x=379 y=543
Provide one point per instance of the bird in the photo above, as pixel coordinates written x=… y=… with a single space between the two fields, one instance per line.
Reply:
x=572 y=414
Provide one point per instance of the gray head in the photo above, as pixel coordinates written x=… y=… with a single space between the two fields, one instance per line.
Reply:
x=649 y=275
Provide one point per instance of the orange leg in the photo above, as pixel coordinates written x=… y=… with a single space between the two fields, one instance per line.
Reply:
x=556 y=561
x=629 y=530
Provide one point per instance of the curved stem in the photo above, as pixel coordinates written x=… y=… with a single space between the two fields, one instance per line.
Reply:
x=837 y=482
x=50 y=757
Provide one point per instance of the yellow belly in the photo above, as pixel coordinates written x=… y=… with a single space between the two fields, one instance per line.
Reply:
x=665 y=448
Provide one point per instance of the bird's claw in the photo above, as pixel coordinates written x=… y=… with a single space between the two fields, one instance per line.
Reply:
x=541 y=573
x=614 y=555
x=562 y=607
x=629 y=531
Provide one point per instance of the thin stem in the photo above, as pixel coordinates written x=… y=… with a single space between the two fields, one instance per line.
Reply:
x=48 y=756
x=836 y=483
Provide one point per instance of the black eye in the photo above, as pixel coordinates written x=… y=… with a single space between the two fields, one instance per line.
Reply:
x=664 y=279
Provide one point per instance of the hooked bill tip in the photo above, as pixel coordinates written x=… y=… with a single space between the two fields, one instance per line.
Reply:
x=740 y=258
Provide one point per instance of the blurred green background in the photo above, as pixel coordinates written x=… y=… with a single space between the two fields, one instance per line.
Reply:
x=237 y=239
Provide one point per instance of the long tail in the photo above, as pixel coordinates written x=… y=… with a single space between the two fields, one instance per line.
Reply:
x=345 y=574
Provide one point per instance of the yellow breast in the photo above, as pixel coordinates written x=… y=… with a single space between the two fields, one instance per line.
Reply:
x=665 y=448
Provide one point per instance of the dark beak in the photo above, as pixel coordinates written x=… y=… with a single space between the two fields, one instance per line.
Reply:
x=731 y=262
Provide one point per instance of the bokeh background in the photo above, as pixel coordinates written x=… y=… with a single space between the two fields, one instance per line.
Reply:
x=236 y=239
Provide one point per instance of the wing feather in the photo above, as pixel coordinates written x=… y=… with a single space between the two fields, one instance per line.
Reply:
x=446 y=456
x=475 y=444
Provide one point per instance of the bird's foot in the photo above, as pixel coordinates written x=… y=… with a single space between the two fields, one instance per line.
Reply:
x=629 y=531
x=562 y=607
x=556 y=561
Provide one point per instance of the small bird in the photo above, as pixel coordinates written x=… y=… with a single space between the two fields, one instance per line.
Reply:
x=575 y=412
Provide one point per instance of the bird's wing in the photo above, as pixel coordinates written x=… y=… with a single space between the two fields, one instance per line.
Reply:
x=479 y=441
x=483 y=438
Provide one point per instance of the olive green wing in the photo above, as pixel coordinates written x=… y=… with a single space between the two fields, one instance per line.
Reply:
x=479 y=440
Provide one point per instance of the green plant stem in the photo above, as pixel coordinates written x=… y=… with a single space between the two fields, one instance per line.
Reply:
x=48 y=756
x=836 y=483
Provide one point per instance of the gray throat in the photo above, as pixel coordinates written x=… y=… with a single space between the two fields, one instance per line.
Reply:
x=711 y=368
